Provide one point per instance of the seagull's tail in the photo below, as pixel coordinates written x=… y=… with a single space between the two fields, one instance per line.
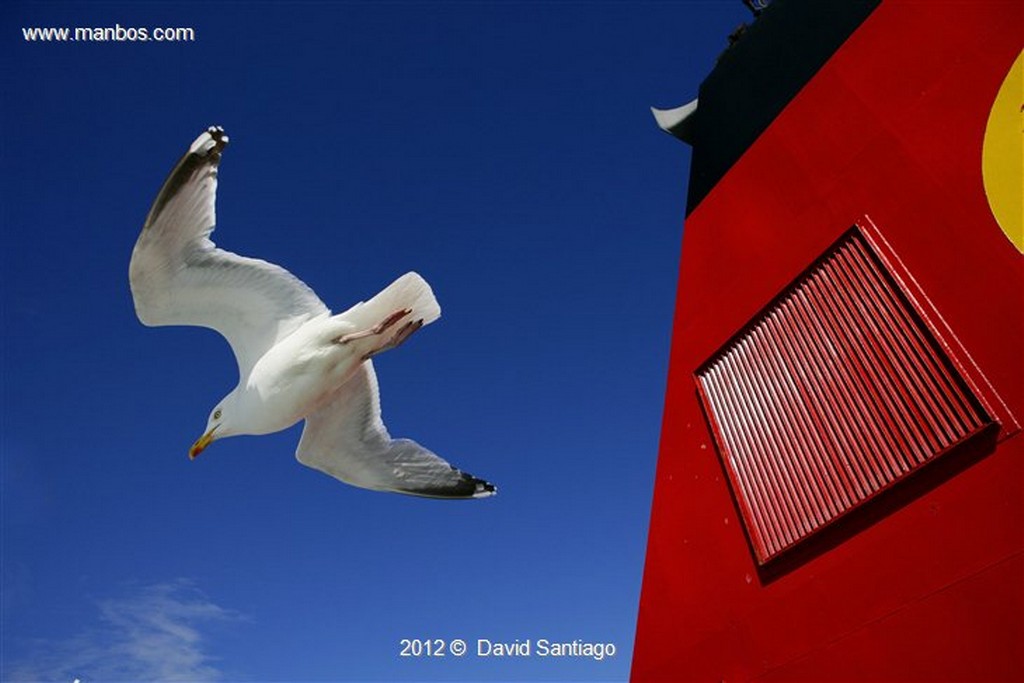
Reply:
x=407 y=292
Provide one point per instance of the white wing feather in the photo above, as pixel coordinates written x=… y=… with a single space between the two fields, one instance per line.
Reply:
x=179 y=277
x=347 y=440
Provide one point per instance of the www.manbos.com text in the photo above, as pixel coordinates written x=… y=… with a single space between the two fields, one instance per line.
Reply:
x=109 y=34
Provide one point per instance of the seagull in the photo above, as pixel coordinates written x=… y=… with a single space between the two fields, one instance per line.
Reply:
x=296 y=359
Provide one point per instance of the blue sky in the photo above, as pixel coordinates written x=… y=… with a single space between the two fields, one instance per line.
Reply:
x=505 y=151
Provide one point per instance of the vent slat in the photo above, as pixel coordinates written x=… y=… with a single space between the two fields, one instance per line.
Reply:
x=887 y=330
x=751 y=492
x=834 y=392
x=816 y=429
x=822 y=351
x=877 y=421
x=788 y=421
x=769 y=435
x=949 y=389
x=803 y=426
x=835 y=323
x=758 y=461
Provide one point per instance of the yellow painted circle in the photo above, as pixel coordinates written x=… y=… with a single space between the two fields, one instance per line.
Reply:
x=1002 y=155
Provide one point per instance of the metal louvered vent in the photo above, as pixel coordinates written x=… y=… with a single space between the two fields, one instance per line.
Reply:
x=834 y=392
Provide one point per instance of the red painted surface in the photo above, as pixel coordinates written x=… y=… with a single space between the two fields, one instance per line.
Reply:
x=926 y=583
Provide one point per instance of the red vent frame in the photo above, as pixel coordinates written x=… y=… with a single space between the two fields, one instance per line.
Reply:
x=833 y=393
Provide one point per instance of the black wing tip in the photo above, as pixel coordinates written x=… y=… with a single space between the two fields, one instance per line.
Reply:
x=203 y=156
x=472 y=487
x=481 y=488
x=210 y=143
x=465 y=488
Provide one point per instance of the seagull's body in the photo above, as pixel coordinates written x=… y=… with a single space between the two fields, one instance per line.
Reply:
x=296 y=360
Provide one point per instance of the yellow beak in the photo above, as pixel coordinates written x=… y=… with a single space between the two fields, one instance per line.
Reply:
x=200 y=445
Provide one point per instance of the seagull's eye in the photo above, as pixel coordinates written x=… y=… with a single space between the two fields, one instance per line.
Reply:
x=216 y=414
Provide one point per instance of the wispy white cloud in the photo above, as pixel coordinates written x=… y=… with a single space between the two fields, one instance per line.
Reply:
x=153 y=633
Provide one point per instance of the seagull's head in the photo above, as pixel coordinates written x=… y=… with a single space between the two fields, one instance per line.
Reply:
x=217 y=426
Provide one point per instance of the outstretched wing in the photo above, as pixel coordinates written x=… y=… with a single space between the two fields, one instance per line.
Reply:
x=179 y=277
x=347 y=440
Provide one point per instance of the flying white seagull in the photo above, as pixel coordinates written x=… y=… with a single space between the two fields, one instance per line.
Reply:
x=295 y=359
